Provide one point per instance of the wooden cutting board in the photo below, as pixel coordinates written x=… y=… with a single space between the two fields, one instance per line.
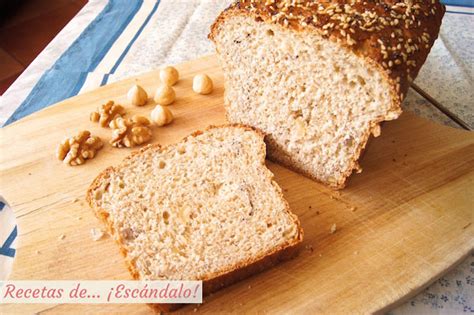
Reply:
x=400 y=224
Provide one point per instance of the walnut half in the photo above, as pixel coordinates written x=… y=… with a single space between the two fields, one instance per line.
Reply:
x=130 y=132
x=106 y=113
x=76 y=150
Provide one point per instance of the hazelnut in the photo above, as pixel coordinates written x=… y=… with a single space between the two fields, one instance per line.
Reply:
x=169 y=76
x=202 y=84
x=137 y=95
x=165 y=95
x=161 y=116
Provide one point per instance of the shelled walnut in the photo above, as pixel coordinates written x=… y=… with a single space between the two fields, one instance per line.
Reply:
x=130 y=132
x=106 y=113
x=76 y=150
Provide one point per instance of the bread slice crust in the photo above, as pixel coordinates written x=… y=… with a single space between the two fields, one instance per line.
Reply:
x=212 y=281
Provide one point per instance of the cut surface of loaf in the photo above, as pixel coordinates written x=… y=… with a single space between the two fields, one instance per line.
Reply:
x=200 y=209
x=319 y=77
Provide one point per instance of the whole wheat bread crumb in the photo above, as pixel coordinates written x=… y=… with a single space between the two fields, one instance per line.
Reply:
x=196 y=210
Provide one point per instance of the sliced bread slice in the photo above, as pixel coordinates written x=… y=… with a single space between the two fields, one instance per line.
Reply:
x=318 y=77
x=206 y=208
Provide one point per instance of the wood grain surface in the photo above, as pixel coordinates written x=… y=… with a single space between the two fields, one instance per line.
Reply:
x=401 y=223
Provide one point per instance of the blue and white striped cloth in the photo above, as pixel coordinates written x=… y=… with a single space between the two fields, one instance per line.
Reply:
x=113 y=37
x=110 y=40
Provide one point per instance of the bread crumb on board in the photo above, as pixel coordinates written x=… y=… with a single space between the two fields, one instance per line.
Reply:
x=333 y=228
x=97 y=234
x=62 y=236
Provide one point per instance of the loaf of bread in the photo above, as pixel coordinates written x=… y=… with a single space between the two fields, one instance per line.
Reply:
x=318 y=77
x=206 y=208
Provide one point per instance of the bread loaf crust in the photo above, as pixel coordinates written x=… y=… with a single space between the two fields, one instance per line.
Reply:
x=211 y=282
x=394 y=36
